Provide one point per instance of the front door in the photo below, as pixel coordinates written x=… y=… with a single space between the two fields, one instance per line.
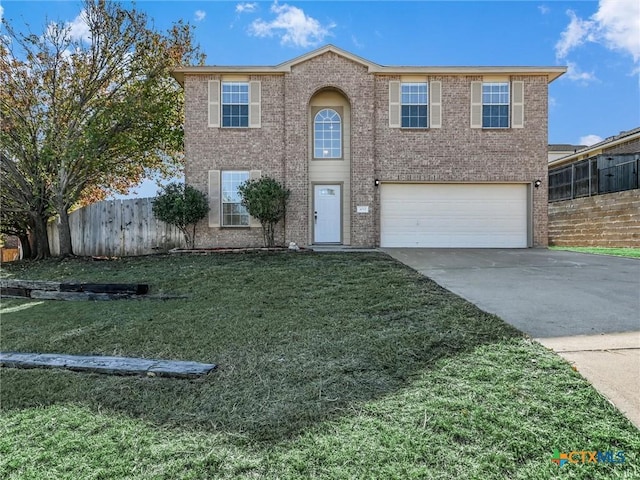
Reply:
x=326 y=215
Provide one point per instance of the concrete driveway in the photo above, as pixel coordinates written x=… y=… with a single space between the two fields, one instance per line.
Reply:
x=545 y=293
x=585 y=307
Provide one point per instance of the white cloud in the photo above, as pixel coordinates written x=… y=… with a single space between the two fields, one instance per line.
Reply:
x=357 y=43
x=544 y=9
x=616 y=25
x=577 y=32
x=574 y=73
x=590 y=139
x=79 y=28
x=246 y=7
x=293 y=26
x=619 y=22
x=200 y=15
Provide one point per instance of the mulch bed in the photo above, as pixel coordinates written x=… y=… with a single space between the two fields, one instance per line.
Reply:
x=238 y=250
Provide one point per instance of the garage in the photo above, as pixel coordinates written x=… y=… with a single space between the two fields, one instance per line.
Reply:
x=461 y=215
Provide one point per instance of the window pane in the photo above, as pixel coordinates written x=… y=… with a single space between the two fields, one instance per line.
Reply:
x=327 y=134
x=495 y=108
x=414 y=105
x=233 y=213
x=495 y=116
x=414 y=116
x=235 y=104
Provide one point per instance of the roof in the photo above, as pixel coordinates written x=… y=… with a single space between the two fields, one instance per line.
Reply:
x=591 y=150
x=565 y=147
x=551 y=72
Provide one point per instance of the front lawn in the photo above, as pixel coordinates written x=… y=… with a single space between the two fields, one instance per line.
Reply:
x=618 y=252
x=331 y=366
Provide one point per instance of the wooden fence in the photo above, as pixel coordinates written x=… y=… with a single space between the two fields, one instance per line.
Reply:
x=9 y=254
x=117 y=228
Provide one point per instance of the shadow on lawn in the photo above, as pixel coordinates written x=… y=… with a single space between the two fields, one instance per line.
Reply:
x=285 y=376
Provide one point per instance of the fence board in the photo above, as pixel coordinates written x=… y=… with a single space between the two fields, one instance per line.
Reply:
x=9 y=254
x=113 y=225
x=117 y=228
x=80 y=234
x=594 y=176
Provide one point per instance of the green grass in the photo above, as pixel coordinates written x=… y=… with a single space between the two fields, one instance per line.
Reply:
x=618 y=252
x=332 y=366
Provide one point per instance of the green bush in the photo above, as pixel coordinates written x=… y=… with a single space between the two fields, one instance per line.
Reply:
x=265 y=199
x=183 y=206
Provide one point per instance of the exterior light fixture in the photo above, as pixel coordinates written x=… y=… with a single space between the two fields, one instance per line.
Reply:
x=376 y=182
x=537 y=183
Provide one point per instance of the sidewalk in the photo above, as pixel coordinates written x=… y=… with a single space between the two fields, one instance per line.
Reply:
x=611 y=362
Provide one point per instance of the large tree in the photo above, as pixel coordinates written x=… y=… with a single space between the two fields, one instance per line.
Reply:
x=24 y=209
x=89 y=112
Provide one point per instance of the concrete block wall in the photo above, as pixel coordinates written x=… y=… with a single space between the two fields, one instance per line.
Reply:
x=609 y=220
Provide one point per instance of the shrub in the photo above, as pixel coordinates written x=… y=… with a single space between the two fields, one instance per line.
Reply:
x=183 y=206
x=265 y=199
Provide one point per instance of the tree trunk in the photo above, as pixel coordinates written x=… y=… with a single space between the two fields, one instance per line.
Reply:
x=271 y=239
x=267 y=234
x=193 y=237
x=40 y=236
x=64 y=232
x=186 y=236
x=26 y=245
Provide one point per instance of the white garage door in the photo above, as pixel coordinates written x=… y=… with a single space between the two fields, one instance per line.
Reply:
x=454 y=215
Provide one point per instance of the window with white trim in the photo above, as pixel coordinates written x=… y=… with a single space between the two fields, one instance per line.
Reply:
x=327 y=134
x=235 y=104
x=495 y=105
x=414 y=99
x=233 y=213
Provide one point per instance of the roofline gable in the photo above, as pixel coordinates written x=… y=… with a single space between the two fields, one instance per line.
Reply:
x=286 y=66
x=373 y=68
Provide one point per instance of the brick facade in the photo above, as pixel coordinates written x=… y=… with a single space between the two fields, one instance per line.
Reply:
x=632 y=146
x=280 y=148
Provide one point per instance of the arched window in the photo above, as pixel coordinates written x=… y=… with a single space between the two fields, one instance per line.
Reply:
x=327 y=134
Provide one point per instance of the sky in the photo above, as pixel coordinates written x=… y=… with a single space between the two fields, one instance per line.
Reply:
x=598 y=41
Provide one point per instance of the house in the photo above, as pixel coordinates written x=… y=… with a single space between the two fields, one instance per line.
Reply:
x=594 y=196
x=559 y=150
x=373 y=155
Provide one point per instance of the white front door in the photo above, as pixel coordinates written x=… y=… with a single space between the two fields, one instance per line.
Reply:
x=326 y=214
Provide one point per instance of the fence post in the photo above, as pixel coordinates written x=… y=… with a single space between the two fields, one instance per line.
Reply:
x=573 y=180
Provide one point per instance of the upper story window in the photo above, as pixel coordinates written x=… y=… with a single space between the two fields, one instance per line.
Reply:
x=495 y=105
x=235 y=104
x=415 y=103
x=498 y=104
x=233 y=213
x=414 y=98
x=327 y=134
